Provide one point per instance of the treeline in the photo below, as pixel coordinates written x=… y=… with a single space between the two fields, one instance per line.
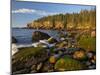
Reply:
x=85 y=19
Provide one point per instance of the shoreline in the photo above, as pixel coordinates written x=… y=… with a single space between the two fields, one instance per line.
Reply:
x=81 y=29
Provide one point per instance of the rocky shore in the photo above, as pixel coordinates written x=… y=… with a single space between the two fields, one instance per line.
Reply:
x=47 y=54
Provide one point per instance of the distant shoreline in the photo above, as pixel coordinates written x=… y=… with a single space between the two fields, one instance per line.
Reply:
x=20 y=28
x=54 y=29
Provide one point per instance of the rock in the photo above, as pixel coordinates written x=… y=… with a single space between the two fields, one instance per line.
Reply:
x=62 y=61
x=91 y=62
x=91 y=58
x=47 y=67
x=88 y=63
x=47 y=43
x=59 y=50
x=52 y=59
x=79 y=55
x=14 y=49
x=39 y=44
x=93 y=34
x=35 y=44
x=94 y=59
x=31 y=61
x=31 y=57
x=92 y=67
x=68 y=64
x=43 y=43
x=52 y=40
x=63 y=44
x=33 y=67
x=71 y=51
x=91 y=54
x=39 y=66
x=14 y=40
x=33 y=71
x=62 y=39
x=21 y=71
x=38 y=35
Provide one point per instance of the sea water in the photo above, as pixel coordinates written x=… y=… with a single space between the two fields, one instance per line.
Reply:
x=24 y=36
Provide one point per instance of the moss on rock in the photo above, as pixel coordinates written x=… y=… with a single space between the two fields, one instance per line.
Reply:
x=27 y=57
x=68 y=64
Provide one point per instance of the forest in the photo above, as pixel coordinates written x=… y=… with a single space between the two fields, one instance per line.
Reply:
x=85 y=19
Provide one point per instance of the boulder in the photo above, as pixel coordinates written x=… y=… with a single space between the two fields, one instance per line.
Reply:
x=79 y=55
x=29 y=58
x=14 y=40
x=68 y=64
x=38 y=35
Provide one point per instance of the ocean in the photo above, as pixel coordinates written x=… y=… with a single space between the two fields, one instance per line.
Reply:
x=24 y=36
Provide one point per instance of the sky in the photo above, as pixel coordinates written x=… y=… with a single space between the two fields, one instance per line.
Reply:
x=26 y=12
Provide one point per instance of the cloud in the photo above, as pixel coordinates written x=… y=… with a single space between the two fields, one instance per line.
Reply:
x=23 y=10
x=32 y=11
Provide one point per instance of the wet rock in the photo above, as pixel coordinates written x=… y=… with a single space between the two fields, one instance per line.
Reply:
x=38 y=35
